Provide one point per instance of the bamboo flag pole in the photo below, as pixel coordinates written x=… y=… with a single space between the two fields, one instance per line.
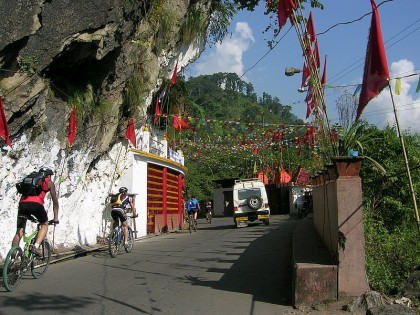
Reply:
x=314 y=73
x=410 y=182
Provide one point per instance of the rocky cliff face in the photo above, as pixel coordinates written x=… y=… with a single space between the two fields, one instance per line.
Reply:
x=105 y=56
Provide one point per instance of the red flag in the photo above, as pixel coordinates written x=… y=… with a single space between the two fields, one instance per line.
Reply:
x=310 y=28
x=173 y=80
x=324 y=74
x=4 y=128
x=72 y=127
x=310 y=106
x=285 y=10
x=376 y=74
x=178 y=123
x=185 y=124
x=305 y=76
x=129 y=133
x=316 y=55
x=157 y=111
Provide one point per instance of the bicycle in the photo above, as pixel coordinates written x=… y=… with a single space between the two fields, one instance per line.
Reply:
x=116 y=240
x=18 y=262
x=192 y=222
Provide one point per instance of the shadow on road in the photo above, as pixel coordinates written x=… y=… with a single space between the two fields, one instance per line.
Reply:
x=38 y=302
x=262 y=269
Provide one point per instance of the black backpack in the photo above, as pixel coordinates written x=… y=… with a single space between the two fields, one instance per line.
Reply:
x=31 y=185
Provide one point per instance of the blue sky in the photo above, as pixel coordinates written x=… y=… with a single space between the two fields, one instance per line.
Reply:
x=345 y=47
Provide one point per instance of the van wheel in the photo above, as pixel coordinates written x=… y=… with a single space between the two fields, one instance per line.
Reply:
x=254 y=202
x=266 y=221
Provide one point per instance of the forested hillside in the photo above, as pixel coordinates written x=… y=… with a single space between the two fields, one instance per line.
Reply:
x=228 y=131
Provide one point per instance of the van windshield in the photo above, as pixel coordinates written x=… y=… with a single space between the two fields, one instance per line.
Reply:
x=246 y=193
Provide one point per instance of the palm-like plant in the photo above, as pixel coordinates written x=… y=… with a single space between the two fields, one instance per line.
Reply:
x=354 y=137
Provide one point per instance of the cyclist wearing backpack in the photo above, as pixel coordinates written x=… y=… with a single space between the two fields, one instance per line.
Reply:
x=193 y=206
x=34 y=205
x=122 y=200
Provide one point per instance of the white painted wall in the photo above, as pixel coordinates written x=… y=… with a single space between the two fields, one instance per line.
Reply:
x=219 y=200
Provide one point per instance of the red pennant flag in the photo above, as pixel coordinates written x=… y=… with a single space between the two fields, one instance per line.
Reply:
x=305 y=76
x=324 y=74
x=316 y=55
x=308 y=110
x=72 y=127
x=310 y=28
x=376 y=74
x=185 y=124
x=4 y=128
x=173 y=80
x=285 y=10
x=129 y=133
x=157 y=111
x=309 y=95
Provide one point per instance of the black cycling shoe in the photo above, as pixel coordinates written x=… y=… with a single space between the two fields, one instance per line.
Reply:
x=35 y=252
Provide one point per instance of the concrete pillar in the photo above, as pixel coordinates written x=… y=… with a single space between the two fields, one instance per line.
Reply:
x=352 y=279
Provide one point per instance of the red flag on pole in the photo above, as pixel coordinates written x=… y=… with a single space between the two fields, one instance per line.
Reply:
x=157 y=111
x=173 y=79
x=285 y=10
x=72 y=127
x=178 y=123
x=4 y=128
x=316 y=54
x=310 y=28
x=324 y=74
x=376 y=74
x=305 y=75
x=130 y=134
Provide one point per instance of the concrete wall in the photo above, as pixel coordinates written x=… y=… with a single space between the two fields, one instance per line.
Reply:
x=338 y=219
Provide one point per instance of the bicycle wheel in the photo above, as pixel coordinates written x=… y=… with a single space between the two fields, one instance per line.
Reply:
x=12 y=269
x=195 y=225
x=130 y=240
x=210 y=216
x=114 y=242
x=189 y=223
x=40 y=265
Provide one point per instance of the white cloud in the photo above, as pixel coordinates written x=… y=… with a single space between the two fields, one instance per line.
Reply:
x=227 y=56
x=380 y=110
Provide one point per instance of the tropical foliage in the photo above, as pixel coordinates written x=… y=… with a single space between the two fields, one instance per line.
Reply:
x=392 y=246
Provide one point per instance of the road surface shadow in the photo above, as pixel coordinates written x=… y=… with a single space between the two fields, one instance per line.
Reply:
x=264 y=267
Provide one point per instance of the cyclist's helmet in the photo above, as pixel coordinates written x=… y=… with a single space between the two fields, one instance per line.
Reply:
x=123 y=190
x=47 y=171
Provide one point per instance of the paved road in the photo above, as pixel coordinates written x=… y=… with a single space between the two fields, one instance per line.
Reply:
x=217 y=270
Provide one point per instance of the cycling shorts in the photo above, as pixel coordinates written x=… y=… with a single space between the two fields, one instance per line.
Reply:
x=28 y=209
x=118 y=214
x=192 y=210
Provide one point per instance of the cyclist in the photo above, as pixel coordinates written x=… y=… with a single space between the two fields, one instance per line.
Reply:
x=193 y=206
x=208 y=207
x=34 y=205
x=118 y=212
